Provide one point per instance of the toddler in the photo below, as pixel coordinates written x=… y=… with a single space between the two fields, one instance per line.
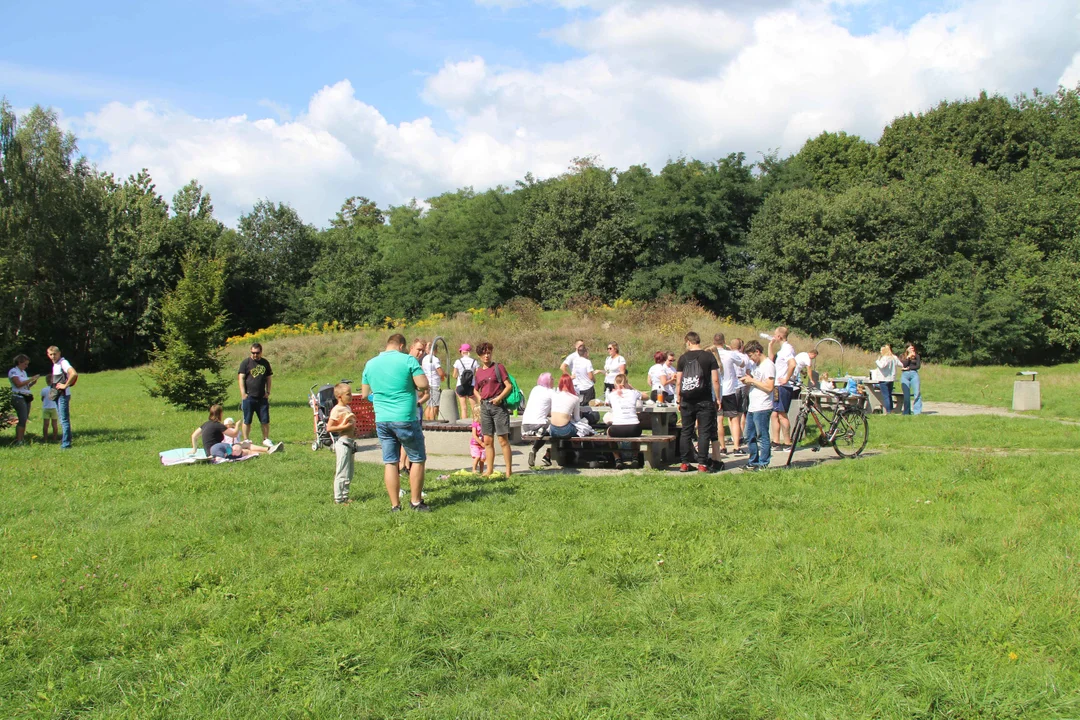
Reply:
x=48 y=412
x=476 y=442
x=342 y=422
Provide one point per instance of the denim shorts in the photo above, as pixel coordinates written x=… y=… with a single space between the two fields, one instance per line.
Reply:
x=396 y=435
x=782 y=401
x=494 y=420
x=256 y=406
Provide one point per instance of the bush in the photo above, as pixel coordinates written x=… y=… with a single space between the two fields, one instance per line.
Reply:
x=186 y=368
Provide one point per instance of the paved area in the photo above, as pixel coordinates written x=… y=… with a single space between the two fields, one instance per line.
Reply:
x=449 y=451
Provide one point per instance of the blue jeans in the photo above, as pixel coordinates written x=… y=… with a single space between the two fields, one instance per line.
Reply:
x=757 y=438
x=563 y=431
x=63 y=409
x=886 y=395
x=909 y=383
x=396 y=435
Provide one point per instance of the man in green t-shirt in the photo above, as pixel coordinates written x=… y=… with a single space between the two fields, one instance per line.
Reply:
x=395 y=383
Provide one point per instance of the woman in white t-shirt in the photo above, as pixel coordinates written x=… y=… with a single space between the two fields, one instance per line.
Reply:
x=21 y=396
x=887 y=365
x=536 y=416
x=565 y=409
x=614 y=364
x=624 y=400
x=465 y=394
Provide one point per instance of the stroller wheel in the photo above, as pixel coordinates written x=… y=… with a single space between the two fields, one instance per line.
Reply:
x=315 y=445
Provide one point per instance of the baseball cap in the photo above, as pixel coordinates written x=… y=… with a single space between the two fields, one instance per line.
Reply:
x=465 y=347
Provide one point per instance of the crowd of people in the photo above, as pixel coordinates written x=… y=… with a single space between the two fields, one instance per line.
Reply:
x=746 y=385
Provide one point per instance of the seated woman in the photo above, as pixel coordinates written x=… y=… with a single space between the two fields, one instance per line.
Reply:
x=214 y=434
x=537 y=415
x=565 y=409
x=624 y=417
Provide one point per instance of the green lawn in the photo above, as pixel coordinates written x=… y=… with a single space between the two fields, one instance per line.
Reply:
x=926 y=581
x=993 y=385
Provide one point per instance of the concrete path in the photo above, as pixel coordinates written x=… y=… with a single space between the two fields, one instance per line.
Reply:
x=449 y=451
x=949 y=409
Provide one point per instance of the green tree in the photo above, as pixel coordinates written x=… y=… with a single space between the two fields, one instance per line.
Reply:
x=187 y=364
x=575 y=237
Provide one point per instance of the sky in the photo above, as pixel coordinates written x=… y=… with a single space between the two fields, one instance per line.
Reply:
x=309 y=102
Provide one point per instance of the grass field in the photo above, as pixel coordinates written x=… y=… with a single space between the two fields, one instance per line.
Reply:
x=937 y=579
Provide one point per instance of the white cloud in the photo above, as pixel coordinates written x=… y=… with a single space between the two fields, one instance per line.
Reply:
x=654 y=80
x=1071 y=77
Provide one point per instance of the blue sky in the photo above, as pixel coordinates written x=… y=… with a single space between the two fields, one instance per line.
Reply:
x=409 y=99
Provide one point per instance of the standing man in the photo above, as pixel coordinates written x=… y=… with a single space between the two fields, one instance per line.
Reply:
x=743 y=366
x=784 y=360
x=697 y=382
x=394 y=381
x=580 y=367
x=492 y=386
x=729 y=388
x=761 y=383
x=578 y=344
x=254 y=379
x=63 y=376
x=435 y=377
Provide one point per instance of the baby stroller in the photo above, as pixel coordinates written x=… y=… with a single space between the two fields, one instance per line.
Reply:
x=321 y=399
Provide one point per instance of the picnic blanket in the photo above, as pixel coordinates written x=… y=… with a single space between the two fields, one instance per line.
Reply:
x=184 y=456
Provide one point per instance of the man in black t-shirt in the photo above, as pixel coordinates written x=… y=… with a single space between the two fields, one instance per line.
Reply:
x=697 y=393
x=254 y=379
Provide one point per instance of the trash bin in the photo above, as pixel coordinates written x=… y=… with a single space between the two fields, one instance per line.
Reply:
x=1026 y=393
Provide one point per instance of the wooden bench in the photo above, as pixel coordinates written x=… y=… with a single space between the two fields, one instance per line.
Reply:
x=655 y=447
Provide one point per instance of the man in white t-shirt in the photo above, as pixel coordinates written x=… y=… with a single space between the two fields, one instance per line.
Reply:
x=435 y=375
x=784 y=360
x=729 y=387
x=465 y=364
x=761 y=381
x=580 y=368
x=63 y=376
x=804 y=363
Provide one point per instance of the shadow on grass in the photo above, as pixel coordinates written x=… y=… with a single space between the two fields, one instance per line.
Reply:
x=91 y=436
x=472 y=494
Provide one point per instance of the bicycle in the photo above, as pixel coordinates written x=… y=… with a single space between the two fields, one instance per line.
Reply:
x=848 y=430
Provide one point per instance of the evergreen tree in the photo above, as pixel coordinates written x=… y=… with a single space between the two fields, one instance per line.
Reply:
x=187 y=366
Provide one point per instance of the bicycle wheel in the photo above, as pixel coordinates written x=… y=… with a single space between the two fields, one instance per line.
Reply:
x=852 y=433
x=797 y=433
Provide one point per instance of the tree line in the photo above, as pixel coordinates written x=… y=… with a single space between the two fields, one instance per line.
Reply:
x=959 y=229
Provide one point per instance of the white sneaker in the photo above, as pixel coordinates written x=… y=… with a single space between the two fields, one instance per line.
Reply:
x=275 y=448
x=268 y=443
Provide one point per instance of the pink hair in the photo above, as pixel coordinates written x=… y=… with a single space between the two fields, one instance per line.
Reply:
x=544 y=380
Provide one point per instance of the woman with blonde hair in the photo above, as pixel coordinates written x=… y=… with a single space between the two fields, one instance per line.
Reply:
x=887 y=366
x=624 y=400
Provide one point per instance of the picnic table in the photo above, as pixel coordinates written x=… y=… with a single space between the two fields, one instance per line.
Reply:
x=660 y=446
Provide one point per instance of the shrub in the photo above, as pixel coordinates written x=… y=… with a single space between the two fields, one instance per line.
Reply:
x=186 y=367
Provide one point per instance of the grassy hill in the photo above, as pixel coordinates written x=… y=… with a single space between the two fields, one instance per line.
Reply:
x=936 y=579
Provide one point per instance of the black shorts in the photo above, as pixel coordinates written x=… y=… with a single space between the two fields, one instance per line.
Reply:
x=742 y=397
x=729 y=405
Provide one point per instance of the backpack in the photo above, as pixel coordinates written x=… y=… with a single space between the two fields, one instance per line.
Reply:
x=515 y=401
x=468 y=377
x=693 y=378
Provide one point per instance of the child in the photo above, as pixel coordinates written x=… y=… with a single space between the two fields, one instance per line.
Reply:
x=48 y=412
x=342 y=422
x=476 y=442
